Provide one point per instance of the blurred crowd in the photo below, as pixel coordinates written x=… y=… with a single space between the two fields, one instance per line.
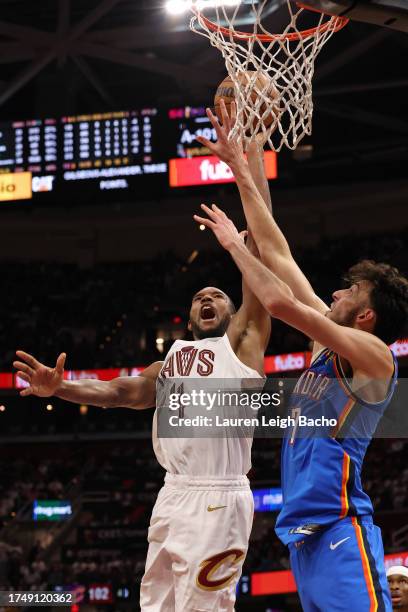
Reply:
x=386 y=475
x=23 y=480
x=118 y=489
x=110 y=315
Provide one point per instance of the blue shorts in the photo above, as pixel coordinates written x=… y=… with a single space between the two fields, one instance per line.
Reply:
x=342 y=569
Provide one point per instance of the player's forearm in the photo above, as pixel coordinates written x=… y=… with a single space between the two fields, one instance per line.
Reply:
x=266 y=233
x=273 y=249
x=93 y=392
x=269 y=289
x=255 y=157
x=256 y=164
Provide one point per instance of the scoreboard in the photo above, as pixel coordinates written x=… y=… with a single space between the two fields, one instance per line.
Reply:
x=84 y=155
x=29 y=143
x=105 y=150
x=194 y=164
x=111 y=145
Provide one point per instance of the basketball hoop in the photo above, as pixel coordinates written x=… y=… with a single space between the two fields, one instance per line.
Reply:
x=285 y=59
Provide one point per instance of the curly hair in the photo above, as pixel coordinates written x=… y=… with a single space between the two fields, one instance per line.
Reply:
x=389 y=297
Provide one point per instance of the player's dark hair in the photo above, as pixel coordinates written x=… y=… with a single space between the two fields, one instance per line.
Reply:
x=388 y=297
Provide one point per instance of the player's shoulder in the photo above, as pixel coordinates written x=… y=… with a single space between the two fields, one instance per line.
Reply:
x=381 y=363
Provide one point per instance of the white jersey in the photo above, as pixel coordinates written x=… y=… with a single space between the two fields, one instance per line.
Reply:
x=200 y=456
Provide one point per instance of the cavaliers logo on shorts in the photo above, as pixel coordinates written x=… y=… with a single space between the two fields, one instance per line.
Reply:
x=212 y=564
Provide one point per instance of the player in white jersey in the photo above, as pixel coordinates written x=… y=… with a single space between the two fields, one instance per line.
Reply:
x=201 y=522
x=209 y=358
x=202 y=519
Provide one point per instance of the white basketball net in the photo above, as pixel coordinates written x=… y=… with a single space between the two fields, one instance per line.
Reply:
x=275 y=98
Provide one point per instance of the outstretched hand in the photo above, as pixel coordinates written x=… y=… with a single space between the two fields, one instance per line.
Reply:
x=43 y=381
x=223 y=228
x=229 y=151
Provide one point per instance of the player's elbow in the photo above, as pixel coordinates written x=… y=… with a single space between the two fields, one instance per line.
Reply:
x=137 y=393
x=114 y=397
x=274 y=305
x=265 y=252
x=279 y=305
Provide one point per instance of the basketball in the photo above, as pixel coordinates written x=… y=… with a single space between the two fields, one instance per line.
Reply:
x=262 y=83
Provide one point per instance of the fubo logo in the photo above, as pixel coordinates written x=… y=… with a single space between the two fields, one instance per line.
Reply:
x=214 y=171
x=289 y=362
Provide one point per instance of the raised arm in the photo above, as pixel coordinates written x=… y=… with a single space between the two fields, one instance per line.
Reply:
x=252 y=319
x=250 y=328
x=272 y=245
x=365 y=352
x=133 y=392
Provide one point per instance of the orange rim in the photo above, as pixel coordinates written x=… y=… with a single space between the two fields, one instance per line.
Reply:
x=335 y=24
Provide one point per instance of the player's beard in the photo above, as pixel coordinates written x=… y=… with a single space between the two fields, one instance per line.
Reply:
x=347 y=319
x=215 y=332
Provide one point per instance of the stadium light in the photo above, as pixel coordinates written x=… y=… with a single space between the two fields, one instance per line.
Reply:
x=192 y=257
x=177 y=7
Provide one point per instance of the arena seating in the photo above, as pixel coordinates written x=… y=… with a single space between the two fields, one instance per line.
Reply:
x=108 y=315
x=117 y=491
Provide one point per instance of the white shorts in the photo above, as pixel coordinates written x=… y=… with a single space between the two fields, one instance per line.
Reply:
x=198 y=540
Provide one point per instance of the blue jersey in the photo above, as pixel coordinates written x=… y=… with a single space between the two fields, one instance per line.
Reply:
x=321 y=470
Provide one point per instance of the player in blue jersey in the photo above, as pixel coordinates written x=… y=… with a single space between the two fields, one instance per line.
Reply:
x=336 y=551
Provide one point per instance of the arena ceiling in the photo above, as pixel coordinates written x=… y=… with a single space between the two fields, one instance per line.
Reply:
x=72 y=56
